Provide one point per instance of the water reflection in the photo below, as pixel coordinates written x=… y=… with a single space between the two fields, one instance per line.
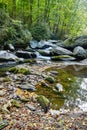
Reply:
x=74 y=82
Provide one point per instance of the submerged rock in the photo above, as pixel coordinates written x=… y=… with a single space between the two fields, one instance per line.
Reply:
x=44 y=102
x=79 y=52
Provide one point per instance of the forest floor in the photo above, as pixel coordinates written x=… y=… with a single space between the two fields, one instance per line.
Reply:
x=27 y=114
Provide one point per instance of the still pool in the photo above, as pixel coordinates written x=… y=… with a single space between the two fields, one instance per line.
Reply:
x=73 y=79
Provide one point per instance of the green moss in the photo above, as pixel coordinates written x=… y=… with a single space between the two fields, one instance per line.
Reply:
x=62 y=57
x=44 y=102
x=6 y=79
x=16 y=70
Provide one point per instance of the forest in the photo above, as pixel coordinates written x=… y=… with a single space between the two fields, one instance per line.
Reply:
x=43 y=64
x=56 y=17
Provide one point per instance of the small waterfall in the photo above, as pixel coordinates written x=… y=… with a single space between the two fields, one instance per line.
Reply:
x=41 y=57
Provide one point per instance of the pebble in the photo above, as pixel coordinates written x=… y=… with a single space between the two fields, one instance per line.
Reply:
x=31 y=107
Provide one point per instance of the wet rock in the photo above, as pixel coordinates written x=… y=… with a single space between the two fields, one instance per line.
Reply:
x=7 y=56
x=27 y=87
x=50 y=79
x=25 y=54
x=53 y=41
x=40 y=45
x=45 y=52
x=33 y=44
x=61 y=51
x=59 y=87
x=63 y=58
x=84 y=61
x=79 y=52
x=44 y=102
x=8 y=47
x=31 y=107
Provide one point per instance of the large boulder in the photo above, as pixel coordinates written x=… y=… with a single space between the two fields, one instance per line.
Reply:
x=79 y=52
x=7 y=56
x=40 y=45
x=25 y=54
x=61 y=51
x=71 y=43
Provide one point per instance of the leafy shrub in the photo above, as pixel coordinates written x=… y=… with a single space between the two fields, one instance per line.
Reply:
x=12 y=31
x=40 y=31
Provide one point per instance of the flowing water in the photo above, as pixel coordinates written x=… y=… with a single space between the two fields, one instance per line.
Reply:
x=72 y=80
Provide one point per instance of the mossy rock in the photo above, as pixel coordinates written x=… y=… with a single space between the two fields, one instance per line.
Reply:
x=62 y=57
x=16 y=104
x=16 y=70
x=6 y=79
x=50 y=79
x=44 y=102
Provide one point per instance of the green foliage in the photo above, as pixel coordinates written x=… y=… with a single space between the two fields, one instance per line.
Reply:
x=40 y=31
x=65 y=18
x=13 y=31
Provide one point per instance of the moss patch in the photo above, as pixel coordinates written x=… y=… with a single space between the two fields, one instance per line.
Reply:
x=16 y=70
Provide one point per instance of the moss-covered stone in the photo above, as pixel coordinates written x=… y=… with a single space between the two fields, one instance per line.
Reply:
x=62 y=57
x=44 y=102
x=16 y=70
x=6 y=79
x=50 y=79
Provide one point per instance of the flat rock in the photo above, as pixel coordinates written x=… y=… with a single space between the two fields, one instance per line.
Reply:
x=31 y=107
x=7 y=56
x=27 y=87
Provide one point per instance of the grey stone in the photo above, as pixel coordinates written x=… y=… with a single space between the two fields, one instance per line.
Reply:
x=79 y=52
x=31 y=107
x=61 y=51
x=7 y=56
x=27 y=87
